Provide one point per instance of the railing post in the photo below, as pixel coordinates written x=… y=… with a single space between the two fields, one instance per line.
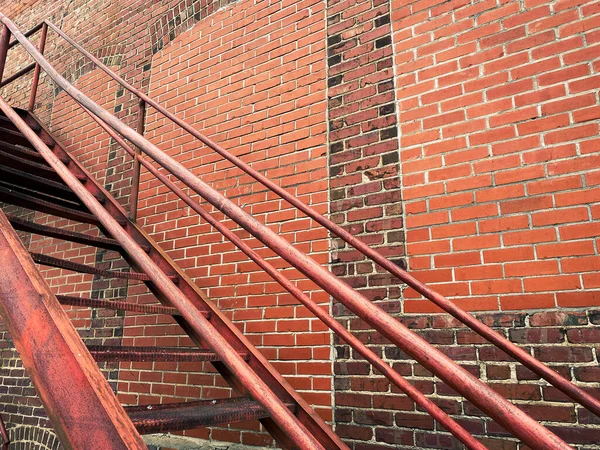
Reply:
x=36 y=74
x=4 y=43
x=4 y=434
x=135 y=182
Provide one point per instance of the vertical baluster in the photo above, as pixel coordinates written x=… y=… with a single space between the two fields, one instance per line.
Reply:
x=4 y=41
x=36 y=74
x=4 y=434
x=135 y=182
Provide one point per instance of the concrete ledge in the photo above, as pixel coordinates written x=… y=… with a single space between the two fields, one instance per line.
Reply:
x=172 y=441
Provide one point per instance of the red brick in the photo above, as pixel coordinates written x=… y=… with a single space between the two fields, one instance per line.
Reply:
x=554 y=185
x=584 y=230
x=550 y=123
x=552 y=283
x=508 y=254
x=581 y=264
x=475 y=242
x=578 y=299
x=257 y=83
x=527 y=204
x=572 y=134
x=530 y=236
x=531 y=268
x=457 y=259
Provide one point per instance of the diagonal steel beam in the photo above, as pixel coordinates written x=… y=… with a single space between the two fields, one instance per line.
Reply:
x=75 y=394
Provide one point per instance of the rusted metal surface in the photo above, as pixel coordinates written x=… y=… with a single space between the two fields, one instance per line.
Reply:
x=21 y=159
x=135 y=179
x=83 y=268
x=4 y=46
x=36 y=75
x=16 y=198
x=4 y=122
x=35 y=192
x=446 y=305
x=59 y=233
x=106 y=353
x=429 y=406
x=13 y=136
x=122 y=305
x=20 y=152
x=290 y=430
x=37 y=183
x=184 y=416
x=78 y=400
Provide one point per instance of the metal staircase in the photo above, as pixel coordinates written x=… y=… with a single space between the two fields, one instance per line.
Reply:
x=37 y=173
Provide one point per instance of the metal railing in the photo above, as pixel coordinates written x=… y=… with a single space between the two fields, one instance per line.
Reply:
x=481 y=395
x=4 y=435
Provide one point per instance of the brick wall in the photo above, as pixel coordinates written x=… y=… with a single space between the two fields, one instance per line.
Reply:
x=499 y=145
x=498 y=124
x=459 y=138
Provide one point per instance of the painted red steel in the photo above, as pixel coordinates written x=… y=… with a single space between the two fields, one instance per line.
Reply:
x=257 y=388
x=135 y=179
x=439 y=300
x=36 y=74
x=459 y=432
x=77 y=398
x=202 y=413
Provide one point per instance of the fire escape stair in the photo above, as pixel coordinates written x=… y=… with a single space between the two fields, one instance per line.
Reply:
x=114 y=353
x=28 y=181
x=203 y=413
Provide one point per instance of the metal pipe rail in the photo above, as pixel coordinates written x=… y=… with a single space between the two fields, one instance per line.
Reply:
x=505 y=413
x=557 y=380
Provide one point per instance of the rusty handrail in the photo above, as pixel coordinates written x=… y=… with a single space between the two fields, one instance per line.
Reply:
x=200 y=324
x=497 y=407
x=542 y=370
